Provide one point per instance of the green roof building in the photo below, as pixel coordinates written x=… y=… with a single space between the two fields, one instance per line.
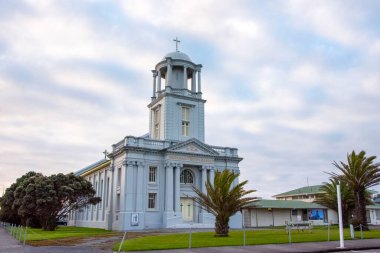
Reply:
x=306 y=194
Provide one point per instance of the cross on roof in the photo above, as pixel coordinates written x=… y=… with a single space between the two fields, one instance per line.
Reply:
x=176 y=43
x=105 y=153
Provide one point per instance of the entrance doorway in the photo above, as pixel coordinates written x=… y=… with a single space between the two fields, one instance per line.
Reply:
x=187 y=208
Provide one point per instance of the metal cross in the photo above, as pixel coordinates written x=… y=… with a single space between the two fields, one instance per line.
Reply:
x=176 y=43
x=105 y=154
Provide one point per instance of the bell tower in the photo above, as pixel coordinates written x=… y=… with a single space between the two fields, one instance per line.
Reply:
x=177 y=107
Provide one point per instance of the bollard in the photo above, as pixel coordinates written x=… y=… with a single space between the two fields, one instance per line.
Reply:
x=11 y=233
x=328 y=232
x=352 y=231
x=361 y=232
x=290 y=234
x=25 y=234
x=244 y=235
x=19 y=233
x=190 y=238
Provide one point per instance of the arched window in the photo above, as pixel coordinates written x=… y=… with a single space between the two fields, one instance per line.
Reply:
x=187 y=177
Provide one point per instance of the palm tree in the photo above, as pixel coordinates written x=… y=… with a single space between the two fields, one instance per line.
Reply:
x=360 y=173
x=329 y=198
x=222 y=199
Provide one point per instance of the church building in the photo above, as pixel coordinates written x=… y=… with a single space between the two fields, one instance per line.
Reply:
x=146 y=182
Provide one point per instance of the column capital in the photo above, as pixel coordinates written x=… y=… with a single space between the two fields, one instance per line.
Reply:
x=178 y=165
x=169 y=164
x=130 y=163
x=155 y=72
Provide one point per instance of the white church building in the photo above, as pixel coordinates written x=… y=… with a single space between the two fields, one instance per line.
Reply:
x=146 y=182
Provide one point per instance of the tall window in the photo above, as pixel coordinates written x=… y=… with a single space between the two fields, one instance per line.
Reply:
x=152 y=174
x=117 y=202
x=156 y=119
x=185 y=121
x=118 y=177
x=152 y=200
x=186 y=177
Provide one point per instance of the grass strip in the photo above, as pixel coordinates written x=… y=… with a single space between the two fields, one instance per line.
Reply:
x=36 y=234
x=253 y=237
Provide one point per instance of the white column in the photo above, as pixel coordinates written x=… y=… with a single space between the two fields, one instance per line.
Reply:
x=199 y=81
x=169 y=188
x=236 y=181
x=129 y=196
x=111 y=198
x=177 y=189
x=98 y=194
x=168 y=73
x=193 y=84
x=154 y=83
x=204 y=179
x=140 y=185
x=159 y=80
x=92 y=206
x=104 y=198
x=123 y=180
x=212 y=175
x=185 y=77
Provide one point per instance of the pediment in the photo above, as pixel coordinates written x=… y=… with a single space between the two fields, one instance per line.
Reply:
x=192 y=146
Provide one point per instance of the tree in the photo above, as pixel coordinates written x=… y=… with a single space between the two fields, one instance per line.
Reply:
x=66 y=193
x=8 y=212
x=37 y=197
x=25 y=198
x=222 y=199
x=329 y=198
x=360 y=173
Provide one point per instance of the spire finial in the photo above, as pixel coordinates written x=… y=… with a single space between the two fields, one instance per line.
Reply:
x=176 y=43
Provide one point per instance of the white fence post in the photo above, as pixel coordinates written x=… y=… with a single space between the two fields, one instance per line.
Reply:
x=25 y=234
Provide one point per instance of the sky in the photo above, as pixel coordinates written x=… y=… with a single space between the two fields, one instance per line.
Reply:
x=295 y=85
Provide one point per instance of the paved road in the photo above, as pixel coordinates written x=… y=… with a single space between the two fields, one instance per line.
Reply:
x=10 y=245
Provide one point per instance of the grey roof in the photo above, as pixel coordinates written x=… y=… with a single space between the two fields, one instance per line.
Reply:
x=284 y=204
x=313 y=189
x=81 y=171
x=177 y=55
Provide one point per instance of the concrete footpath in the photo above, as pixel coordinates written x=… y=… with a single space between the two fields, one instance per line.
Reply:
x=9 y=245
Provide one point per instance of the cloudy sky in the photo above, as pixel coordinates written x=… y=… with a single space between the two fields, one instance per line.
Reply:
x=295 y=85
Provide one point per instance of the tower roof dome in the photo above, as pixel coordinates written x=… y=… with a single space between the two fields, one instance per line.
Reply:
x=177 y=55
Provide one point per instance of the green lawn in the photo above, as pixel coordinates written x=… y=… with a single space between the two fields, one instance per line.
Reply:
x=35 y=234
x=207 y=239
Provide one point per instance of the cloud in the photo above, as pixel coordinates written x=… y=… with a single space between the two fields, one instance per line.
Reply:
x=293 y=85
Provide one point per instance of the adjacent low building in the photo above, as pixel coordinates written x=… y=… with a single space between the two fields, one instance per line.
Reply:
x=373 y=214
x=297 y=206
x=265 y=212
